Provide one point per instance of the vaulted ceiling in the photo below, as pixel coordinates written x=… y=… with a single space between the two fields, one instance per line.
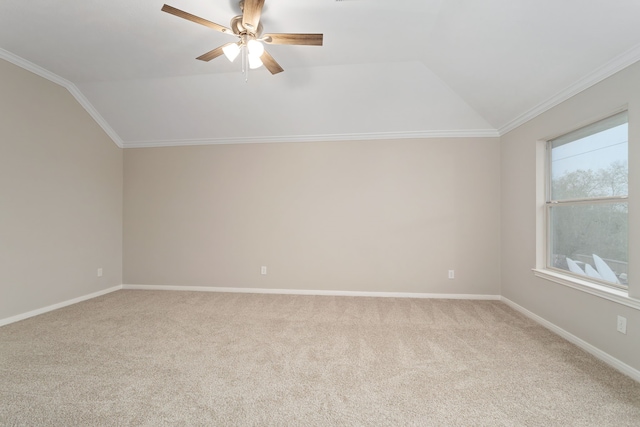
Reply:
x=387 y=69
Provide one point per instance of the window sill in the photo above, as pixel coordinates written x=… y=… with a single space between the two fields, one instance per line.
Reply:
x=615 y=295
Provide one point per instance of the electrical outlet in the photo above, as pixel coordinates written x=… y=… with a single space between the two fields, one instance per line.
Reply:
x=263 y=270
x=100 y=272
x=622 y=325
x=452 y=274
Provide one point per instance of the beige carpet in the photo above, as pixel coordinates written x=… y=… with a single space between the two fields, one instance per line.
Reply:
x=186 y=358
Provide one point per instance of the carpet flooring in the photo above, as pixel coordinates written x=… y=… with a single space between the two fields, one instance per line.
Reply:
x=159 y=358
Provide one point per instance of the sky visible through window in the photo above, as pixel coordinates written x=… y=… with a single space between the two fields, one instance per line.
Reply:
x=593 y=152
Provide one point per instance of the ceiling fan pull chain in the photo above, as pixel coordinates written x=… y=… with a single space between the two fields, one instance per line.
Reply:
x=242 y=59
x=246 y=64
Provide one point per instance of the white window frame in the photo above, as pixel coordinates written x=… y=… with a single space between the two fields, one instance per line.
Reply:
x=543 y=194
x=549 y=203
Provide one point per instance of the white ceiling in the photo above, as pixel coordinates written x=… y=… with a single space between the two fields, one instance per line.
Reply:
x=388 y=68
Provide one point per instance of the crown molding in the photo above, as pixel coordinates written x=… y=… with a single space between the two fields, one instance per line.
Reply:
x=73 y=89
x=617 y=64
x=471 y=133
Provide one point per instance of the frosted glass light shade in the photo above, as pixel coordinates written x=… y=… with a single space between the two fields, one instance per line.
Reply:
x=231 y=51
x=254 y=62
x=256 y=49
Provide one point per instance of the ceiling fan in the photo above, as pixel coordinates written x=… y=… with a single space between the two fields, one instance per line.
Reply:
x=248 y=29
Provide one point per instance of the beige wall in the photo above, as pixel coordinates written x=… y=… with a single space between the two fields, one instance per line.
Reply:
x=588 y=317
x=388 y=216
x=60 y=196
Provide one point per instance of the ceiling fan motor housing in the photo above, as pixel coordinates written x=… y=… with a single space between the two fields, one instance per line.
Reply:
x=238 y=28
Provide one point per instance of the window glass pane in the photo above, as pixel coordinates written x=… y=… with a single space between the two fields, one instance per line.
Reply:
x=584 y=234
x=592 y=161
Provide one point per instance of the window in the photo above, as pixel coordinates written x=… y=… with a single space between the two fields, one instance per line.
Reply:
x=586 y=202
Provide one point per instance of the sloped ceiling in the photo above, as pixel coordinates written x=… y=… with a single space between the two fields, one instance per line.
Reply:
x=402 y=68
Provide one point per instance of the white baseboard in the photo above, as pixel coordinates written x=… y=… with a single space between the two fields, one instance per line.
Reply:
x=605 y=357
x=310 y=292
x=46 y=309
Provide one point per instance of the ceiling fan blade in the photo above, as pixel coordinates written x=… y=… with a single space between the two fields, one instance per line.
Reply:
x=213 y=53
x=270 y=63
x=193 y=18
x=298 y=39
x=251 y=14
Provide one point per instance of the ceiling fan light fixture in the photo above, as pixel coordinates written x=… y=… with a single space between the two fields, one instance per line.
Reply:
x=254 y=62
x=231 y=51
x=256 y=49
